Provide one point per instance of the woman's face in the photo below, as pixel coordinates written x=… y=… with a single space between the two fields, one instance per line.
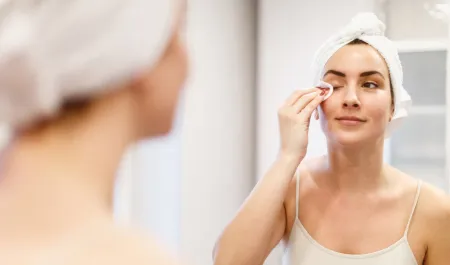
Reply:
x=159 y=89
x=360 y=107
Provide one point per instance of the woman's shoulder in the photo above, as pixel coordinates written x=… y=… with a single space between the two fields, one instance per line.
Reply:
x=434 y=200
x=309 y=166
x=435 y=203
x=432 y=214
x=302 y=180
x=303 y=172
x=433 y=218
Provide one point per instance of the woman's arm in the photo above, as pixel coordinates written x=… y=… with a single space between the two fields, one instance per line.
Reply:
x=261 y=222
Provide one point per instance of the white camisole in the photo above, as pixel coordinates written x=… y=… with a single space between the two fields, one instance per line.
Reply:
x=302 y=249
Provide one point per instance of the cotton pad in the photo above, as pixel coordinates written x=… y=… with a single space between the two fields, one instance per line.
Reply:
x=323 y=84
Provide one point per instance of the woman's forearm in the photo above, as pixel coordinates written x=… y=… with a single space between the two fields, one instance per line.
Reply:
x=260 y=223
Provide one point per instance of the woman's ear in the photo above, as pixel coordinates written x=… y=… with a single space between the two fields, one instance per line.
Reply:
x=392 y=114
x=392 y=101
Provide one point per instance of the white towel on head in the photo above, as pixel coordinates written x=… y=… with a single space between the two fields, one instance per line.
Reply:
x=368 y=28
x=53 y=50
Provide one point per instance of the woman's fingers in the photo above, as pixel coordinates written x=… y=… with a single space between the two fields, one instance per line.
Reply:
x=304 y=101
x=312 y=105
x=297 y=94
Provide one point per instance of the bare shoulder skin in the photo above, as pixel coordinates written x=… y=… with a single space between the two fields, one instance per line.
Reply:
x=434 y=216
x=429 y=231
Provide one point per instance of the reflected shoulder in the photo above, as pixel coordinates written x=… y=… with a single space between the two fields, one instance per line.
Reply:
x=139 y=249
x=113 y=245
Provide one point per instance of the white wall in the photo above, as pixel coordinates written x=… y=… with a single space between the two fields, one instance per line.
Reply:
x=289 y=34
x=447 y=117
x=217 y=140
x=156 y=186
x=408 y=19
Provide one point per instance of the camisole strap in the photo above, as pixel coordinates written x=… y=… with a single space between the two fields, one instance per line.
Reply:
x=416 y=199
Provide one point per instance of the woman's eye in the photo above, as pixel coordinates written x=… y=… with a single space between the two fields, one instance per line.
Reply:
x=370 y=85
x=335 y=85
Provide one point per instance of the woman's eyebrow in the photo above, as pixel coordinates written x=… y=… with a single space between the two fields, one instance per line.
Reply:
x=369 y=73
x=363 y=74
x=334 y=72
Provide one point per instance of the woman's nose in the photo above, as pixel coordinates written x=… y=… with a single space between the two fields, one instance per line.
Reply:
x=351 y=99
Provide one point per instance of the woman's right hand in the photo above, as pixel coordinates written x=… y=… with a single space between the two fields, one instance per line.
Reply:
x=294 y=117
x=245 y=241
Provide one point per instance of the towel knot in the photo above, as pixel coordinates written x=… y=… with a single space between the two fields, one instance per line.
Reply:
x=364 y=24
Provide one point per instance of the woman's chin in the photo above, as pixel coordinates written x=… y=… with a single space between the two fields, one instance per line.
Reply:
x=349 y=138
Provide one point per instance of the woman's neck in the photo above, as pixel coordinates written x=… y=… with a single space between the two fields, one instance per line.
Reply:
x=356 y=168
x=67 y=169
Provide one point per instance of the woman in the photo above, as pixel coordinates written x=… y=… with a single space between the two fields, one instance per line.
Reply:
x=346 y=207
x=80 y=81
